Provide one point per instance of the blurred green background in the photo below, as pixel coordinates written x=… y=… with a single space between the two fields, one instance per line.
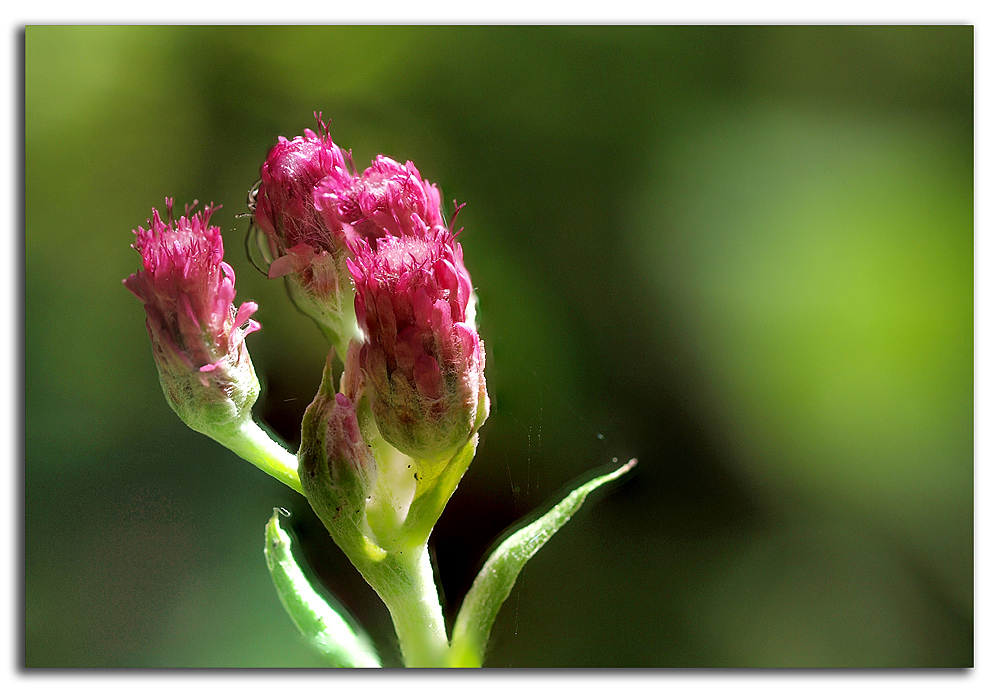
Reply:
x=743 y=255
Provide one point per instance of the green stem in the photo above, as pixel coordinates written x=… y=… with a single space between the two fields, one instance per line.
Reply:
x=252 y=443
x=416 y=612
x=405 y=582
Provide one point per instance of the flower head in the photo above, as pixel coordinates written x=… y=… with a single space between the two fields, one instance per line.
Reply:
x=422 y=359
x=301 y=245
x=388 y=199
x=196 y=331
x=284 y=208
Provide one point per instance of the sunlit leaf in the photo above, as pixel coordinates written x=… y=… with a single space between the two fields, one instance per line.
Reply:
x=493 y=583
x=322 y=625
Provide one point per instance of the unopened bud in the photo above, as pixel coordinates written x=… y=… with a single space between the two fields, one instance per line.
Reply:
x=336 y=466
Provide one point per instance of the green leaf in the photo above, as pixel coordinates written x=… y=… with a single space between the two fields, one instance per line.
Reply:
x=322 y=625
x=493 y=584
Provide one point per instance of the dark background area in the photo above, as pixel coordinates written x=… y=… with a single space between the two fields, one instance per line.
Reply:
x=743 y=255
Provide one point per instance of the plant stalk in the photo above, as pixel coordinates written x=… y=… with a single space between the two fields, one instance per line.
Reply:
x=252 y=443
x=405 y=582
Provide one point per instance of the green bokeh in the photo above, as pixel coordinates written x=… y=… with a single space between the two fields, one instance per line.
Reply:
x=743 y=255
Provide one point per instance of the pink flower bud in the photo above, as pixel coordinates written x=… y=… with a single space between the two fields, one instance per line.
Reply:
x=388 y=199
x=196 y=331
x=284 y=207
x=422 y=357
x=301 y=245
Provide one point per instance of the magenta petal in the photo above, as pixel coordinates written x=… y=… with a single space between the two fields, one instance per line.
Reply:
x=359 y=309
x=442 y=326
x=245 y=311
x=226 y=289
x=468 y=340
x=445 y=274
x=422 y=308
x=187 y=319
x=243 y=314
x=408 y=348
x=137 y=284
x=386 y=316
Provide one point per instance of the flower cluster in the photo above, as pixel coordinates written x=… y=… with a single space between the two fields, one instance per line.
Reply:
x=314 y=211
x=196 y=332
x=369 y=256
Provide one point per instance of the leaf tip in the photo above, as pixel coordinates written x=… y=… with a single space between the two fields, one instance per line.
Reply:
x=623 y=469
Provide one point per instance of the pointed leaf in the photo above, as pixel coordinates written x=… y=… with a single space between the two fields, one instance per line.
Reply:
x=493 y=584
x=322 y=625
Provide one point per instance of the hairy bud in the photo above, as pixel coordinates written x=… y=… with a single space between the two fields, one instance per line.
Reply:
x=422 y=359
x=336 y=465
x=196 y=332
x=301 y=245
